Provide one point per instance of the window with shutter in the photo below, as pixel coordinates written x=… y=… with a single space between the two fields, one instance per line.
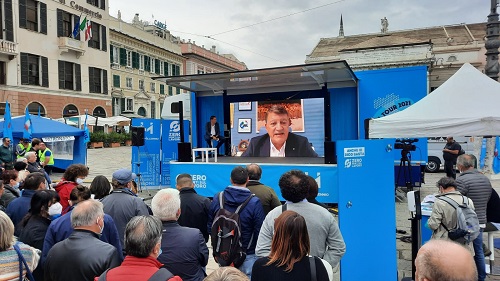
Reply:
x=24 y=69
x=116 y=81
x=147 y=63
x=45 y=72
x=123 y=57
x=104 y=44
x=165 y=69
x=78 y=77
x=122 y=104
x=61 y=72
x=22 y=13
x=105 y=82
x=9 y=21
x=135 y=60
x=43 y=18
x=157 y=66
x=162 y=89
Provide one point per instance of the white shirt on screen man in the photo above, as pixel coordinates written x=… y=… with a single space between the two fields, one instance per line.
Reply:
x=275 y=152
x=212 y=131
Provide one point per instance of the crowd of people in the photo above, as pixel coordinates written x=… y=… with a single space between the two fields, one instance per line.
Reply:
x=68 y=231
x=449 y=256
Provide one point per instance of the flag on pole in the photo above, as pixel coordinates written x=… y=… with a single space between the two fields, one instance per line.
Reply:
x=7 y=122
x=482 y=154
x=88 y=31
x=86 y=134
x=83 y=24
x=28 y=128
x=38 y=111
x=76 y=29
x=496 y=157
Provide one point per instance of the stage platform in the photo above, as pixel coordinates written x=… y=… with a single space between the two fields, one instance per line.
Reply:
x=266 y=160
x=212 y=177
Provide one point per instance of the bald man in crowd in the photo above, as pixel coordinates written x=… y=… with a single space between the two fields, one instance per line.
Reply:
x=443 y=260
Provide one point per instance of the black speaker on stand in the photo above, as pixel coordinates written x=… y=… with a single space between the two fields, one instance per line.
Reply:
x=330 y=153
x=137 y=136
x=138 y=140
x=183 y=148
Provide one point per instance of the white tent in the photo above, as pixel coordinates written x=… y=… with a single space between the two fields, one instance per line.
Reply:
x=468 y=104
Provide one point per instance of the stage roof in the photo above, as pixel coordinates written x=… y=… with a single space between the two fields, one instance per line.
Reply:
x=303 y=77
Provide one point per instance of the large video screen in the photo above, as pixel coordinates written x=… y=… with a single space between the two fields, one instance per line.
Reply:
x=291 y=128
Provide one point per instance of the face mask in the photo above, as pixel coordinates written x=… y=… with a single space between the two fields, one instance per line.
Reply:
x=101 y=228
x=16 y=186
x=55 y=209
x=79 y=181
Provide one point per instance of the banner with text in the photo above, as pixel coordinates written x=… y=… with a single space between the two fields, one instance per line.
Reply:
x=212 y=178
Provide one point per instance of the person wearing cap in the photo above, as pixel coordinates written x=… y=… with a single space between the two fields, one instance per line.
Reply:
x=122 y=204
x=23 y=147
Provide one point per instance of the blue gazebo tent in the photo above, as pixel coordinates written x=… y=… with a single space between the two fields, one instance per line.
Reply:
x=66 y=138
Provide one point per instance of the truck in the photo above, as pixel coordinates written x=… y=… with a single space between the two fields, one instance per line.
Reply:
x=435 y=151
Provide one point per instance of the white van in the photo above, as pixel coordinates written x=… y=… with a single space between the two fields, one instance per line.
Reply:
x=435 y=151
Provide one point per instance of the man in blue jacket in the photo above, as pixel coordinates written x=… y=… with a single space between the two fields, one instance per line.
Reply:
x=20 y=206
x=251 y=217
x=61 y=228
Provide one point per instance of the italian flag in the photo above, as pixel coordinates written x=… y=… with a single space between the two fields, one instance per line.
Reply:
x=88 y=31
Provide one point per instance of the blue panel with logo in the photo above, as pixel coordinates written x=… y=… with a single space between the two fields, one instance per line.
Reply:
x=171 y=135
x=366 y=201
x=146 y=159
x=210 y=178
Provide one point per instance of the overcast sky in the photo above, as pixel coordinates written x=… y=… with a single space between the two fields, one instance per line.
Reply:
x=287 y=41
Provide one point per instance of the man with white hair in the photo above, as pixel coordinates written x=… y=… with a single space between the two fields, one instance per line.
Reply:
x=443 y=260
x=184 y=251
x=82 y=256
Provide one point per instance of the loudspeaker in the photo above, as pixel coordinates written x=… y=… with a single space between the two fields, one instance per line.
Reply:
x=184 y=150
x=330 y=153
x=137 y=136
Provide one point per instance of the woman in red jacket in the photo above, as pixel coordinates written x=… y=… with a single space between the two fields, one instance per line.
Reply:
x=74 y=175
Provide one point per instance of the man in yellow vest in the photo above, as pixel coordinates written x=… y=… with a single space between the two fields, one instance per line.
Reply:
x=46 y=158
x=23 y=147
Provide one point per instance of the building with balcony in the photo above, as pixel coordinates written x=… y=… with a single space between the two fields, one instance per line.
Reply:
x=47 y=67
x=140 y=51
x=201 y=60
x=444 y=49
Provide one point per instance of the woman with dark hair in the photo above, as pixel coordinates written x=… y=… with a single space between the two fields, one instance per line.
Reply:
x=11 y=186
x=35 y=224
x=100 y=187
x=21 y=167
x=289 y=257
x=73 y=176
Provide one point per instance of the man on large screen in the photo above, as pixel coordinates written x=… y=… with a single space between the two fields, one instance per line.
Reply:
x=279 y=142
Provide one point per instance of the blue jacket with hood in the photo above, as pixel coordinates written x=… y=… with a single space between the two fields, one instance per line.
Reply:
x=251 y=217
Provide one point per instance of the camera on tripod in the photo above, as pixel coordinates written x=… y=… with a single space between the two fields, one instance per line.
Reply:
x=406 y=144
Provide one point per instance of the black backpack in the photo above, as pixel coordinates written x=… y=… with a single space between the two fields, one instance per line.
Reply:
x=226 y=235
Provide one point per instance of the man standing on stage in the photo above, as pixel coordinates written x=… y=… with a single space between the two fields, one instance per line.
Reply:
x=450 y=155
x=212 y=132
x=46 y=158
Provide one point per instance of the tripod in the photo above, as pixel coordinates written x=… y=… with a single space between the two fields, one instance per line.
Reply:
x=405 y=169
x=138 y=174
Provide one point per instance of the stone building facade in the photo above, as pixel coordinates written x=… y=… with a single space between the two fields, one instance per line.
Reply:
x=47 y=69
x=444 y=49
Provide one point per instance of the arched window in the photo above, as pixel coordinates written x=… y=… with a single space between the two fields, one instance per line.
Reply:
x=141 y=111
x=35 y=107
x=99 y=112
x=70 y=110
